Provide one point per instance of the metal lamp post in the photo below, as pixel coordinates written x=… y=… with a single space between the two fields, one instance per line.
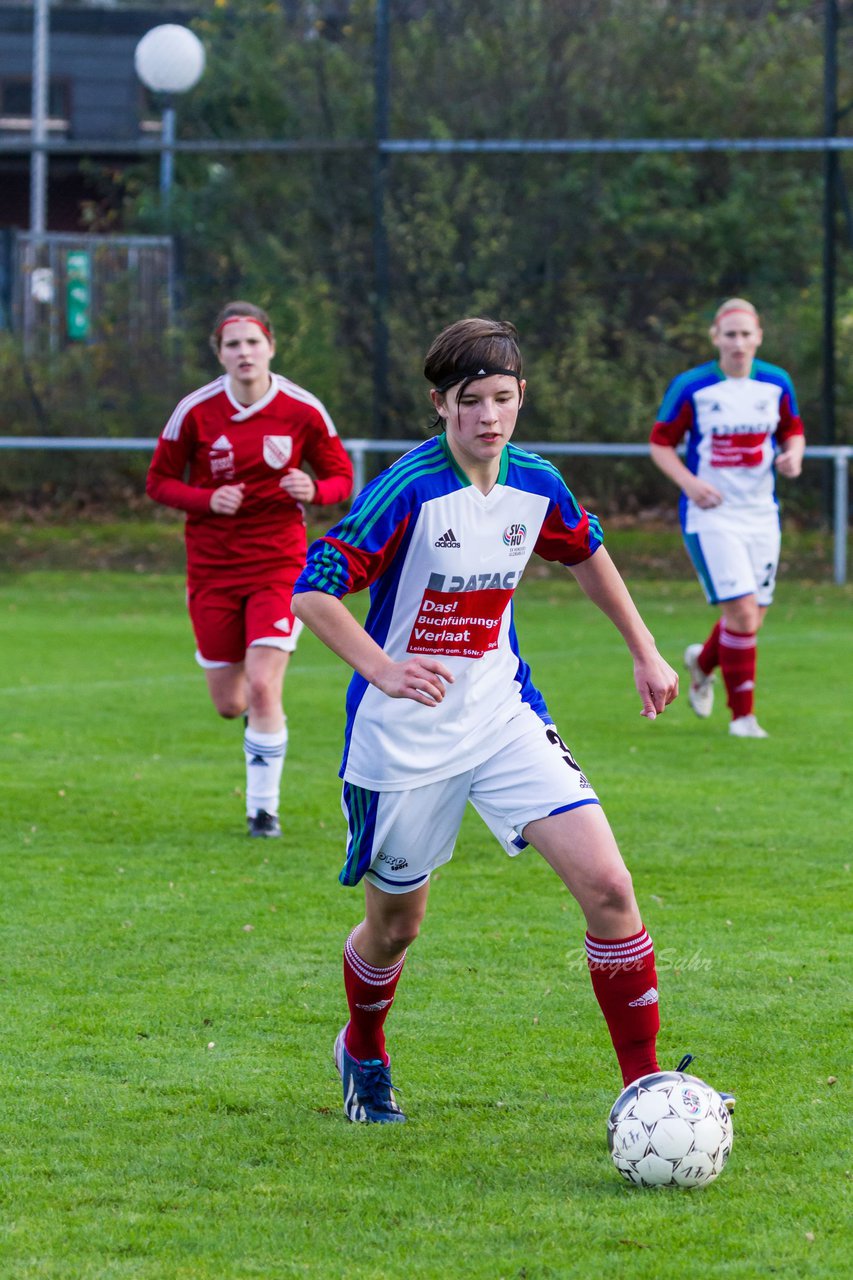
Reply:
x=169 y=59
x=38 y=158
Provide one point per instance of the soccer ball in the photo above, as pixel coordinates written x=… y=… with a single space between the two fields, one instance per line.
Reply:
x=669 y=1129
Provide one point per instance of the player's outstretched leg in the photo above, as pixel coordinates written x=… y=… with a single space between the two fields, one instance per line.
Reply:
x=625 y=983
x=579 y=845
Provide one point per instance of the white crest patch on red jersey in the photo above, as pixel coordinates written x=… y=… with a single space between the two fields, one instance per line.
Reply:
x=277 y=451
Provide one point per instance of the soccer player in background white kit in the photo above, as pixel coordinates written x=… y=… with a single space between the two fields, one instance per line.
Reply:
x=442 y=709
x=741 y=421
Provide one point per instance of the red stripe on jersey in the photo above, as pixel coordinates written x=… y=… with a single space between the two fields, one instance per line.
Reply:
x=672 y=433
x=790 y=424
x=365 y=566
x=559 y=543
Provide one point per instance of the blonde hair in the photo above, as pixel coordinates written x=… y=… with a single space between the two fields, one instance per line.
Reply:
x=732 y=304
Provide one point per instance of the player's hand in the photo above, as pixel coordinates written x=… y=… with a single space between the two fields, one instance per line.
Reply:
x=227 y=499
x=789 y=464
x=703 y=494
x=420 y=679
x=657 y=684
x=299 y=485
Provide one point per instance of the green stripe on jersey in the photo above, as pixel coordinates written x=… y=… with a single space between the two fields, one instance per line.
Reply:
x=534 y=463
x=388 y=489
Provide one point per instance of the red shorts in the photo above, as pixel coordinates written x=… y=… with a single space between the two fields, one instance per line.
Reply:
x=227 y=620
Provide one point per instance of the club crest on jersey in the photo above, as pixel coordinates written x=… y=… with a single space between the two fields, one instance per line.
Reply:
x=277 y=451
x=514 y=536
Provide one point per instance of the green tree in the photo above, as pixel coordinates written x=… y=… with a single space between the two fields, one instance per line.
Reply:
x=611 y=263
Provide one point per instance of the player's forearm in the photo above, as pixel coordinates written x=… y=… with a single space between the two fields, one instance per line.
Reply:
x=331 y=489
x=667 y=460
x=600 y=580
x=331 y=621
x=794 y=447
x=172 y=492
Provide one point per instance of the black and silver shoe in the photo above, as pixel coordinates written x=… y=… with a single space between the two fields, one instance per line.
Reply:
x=264 y=824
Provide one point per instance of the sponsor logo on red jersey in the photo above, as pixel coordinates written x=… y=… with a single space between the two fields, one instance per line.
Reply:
x=222 y=459
x=458 y=624
x=744 y=449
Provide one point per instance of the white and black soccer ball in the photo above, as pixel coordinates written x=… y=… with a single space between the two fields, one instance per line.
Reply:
x=669 y=1129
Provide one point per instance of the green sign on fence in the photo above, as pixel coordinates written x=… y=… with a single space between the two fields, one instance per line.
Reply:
x=78 y=294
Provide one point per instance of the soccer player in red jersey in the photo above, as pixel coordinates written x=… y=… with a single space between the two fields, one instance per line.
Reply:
x=742 y=425
x=233 y=457
x=442 y=709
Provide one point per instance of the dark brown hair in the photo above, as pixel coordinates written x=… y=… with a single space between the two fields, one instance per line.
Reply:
x=469 y=345
x=240 y=310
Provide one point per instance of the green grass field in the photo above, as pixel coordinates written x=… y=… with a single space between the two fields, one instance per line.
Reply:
x=171 y=990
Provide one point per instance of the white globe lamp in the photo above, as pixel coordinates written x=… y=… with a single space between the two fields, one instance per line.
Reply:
x=169 y=59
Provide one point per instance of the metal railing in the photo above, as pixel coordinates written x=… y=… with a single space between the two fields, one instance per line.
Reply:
x=359 y=449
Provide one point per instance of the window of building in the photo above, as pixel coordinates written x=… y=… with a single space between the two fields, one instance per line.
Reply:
x=16 y=104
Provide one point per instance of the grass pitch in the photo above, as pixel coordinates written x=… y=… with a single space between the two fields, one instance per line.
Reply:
x=171 y=990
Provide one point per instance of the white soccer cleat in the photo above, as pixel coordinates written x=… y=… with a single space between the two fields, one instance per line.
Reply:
x=700 y=695
x=747 y=727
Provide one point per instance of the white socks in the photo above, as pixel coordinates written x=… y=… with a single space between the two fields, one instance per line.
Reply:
x=264 y=754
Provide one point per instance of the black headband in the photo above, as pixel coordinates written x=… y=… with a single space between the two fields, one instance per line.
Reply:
x=470 y=375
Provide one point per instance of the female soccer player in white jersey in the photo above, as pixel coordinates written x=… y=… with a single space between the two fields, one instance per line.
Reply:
x=442 y=709
x=231 y=456
x=741 y=421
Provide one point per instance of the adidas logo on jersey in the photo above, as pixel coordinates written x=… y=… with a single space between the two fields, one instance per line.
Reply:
x=648 y=997
x=448 y=541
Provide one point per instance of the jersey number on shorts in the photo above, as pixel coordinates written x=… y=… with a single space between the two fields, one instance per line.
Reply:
x=556 y=741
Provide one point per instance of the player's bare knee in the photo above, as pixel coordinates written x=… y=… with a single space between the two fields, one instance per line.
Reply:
x=615 y=892
x=743 y=615
x=400 y=934
x=230 y=708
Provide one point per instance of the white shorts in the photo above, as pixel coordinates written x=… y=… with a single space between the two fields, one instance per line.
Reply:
x=397 y=838
x=733 y=562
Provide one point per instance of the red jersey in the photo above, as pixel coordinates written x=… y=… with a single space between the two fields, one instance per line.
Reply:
x=211 y=440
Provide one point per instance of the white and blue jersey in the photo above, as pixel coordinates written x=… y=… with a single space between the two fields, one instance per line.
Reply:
x=442 y=561
x=734 y=427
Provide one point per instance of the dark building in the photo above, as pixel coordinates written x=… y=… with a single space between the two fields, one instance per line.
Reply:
x=94 y=94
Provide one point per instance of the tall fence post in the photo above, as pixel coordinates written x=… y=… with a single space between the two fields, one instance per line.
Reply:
x=840 y=517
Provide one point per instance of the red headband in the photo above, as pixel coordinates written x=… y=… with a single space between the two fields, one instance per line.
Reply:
x=730 y=310
x=251 y=319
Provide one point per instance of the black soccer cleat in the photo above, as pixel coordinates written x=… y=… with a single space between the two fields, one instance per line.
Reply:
x=264 y=824
x=729 y=1099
